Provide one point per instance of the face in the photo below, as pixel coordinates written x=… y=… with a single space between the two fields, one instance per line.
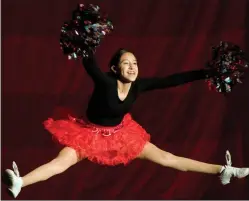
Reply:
x=128 y=67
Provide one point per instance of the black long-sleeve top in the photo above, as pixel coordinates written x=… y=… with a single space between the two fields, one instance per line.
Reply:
x=106 y=109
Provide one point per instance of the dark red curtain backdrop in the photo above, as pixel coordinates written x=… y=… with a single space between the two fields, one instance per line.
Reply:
x=167 y=37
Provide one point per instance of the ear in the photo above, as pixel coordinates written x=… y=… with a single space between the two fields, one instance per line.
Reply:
x=113 y=68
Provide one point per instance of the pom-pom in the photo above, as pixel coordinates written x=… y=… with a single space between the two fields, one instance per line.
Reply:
x=84 y=32
x=229 y=63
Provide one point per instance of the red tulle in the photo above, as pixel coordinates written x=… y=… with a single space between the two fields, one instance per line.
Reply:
x=103 y=145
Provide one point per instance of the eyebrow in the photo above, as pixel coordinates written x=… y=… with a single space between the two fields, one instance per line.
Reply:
x=128 y=60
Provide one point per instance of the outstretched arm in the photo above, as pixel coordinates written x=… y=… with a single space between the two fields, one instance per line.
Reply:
x=146 y=84
x=92 y=68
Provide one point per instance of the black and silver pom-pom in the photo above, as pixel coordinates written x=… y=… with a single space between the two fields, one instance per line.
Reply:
x=84 y=32
x=229 y=63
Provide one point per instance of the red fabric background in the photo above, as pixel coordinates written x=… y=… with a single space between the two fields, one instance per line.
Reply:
x=167 y=37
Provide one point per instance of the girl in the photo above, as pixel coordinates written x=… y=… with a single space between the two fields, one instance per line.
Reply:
x=110 y=136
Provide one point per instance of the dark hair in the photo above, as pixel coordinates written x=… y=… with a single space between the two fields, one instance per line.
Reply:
x=116 y=57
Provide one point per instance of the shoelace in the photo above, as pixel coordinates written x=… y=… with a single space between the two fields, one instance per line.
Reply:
x=15 y=168
x=236 y=172
x=229 y=164
x=229 y=161
x=228 y=158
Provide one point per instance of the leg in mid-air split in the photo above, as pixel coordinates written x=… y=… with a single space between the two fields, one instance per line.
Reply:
x=65 y=159
x=68 y=157
x=161 y=157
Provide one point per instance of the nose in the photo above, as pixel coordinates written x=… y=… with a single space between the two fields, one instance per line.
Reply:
x=131 y=65
x=131 y=68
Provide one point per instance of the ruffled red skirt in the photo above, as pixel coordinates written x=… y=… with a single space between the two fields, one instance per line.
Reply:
x=100 y=144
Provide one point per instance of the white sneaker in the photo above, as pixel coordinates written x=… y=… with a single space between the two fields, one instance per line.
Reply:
x=228 y=171
x=13 y=180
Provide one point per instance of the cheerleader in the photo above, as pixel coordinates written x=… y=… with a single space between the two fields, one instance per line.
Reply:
x=110 y=136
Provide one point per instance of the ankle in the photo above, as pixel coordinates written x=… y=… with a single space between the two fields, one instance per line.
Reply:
x=221 y=169
x=22 y=182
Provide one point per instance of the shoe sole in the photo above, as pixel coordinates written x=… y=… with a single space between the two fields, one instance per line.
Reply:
x=10 y=193
x=6 y=178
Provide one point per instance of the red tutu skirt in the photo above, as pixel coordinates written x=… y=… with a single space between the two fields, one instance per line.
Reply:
x=100 y=144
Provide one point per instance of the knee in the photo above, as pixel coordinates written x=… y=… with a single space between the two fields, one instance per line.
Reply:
x=167 y=158
x=60 y=165
x=171 y=160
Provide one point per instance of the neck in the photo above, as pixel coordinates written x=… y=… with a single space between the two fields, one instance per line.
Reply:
x=123 y=86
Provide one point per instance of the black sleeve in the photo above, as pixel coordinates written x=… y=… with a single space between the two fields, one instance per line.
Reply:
x=146 y=84
x=92 y=68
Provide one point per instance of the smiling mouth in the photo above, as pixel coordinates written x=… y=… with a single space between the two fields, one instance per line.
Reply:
x=131 y=73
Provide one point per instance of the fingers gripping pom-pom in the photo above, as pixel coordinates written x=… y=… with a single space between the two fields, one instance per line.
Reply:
x=229 y=63
x=83 y=34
